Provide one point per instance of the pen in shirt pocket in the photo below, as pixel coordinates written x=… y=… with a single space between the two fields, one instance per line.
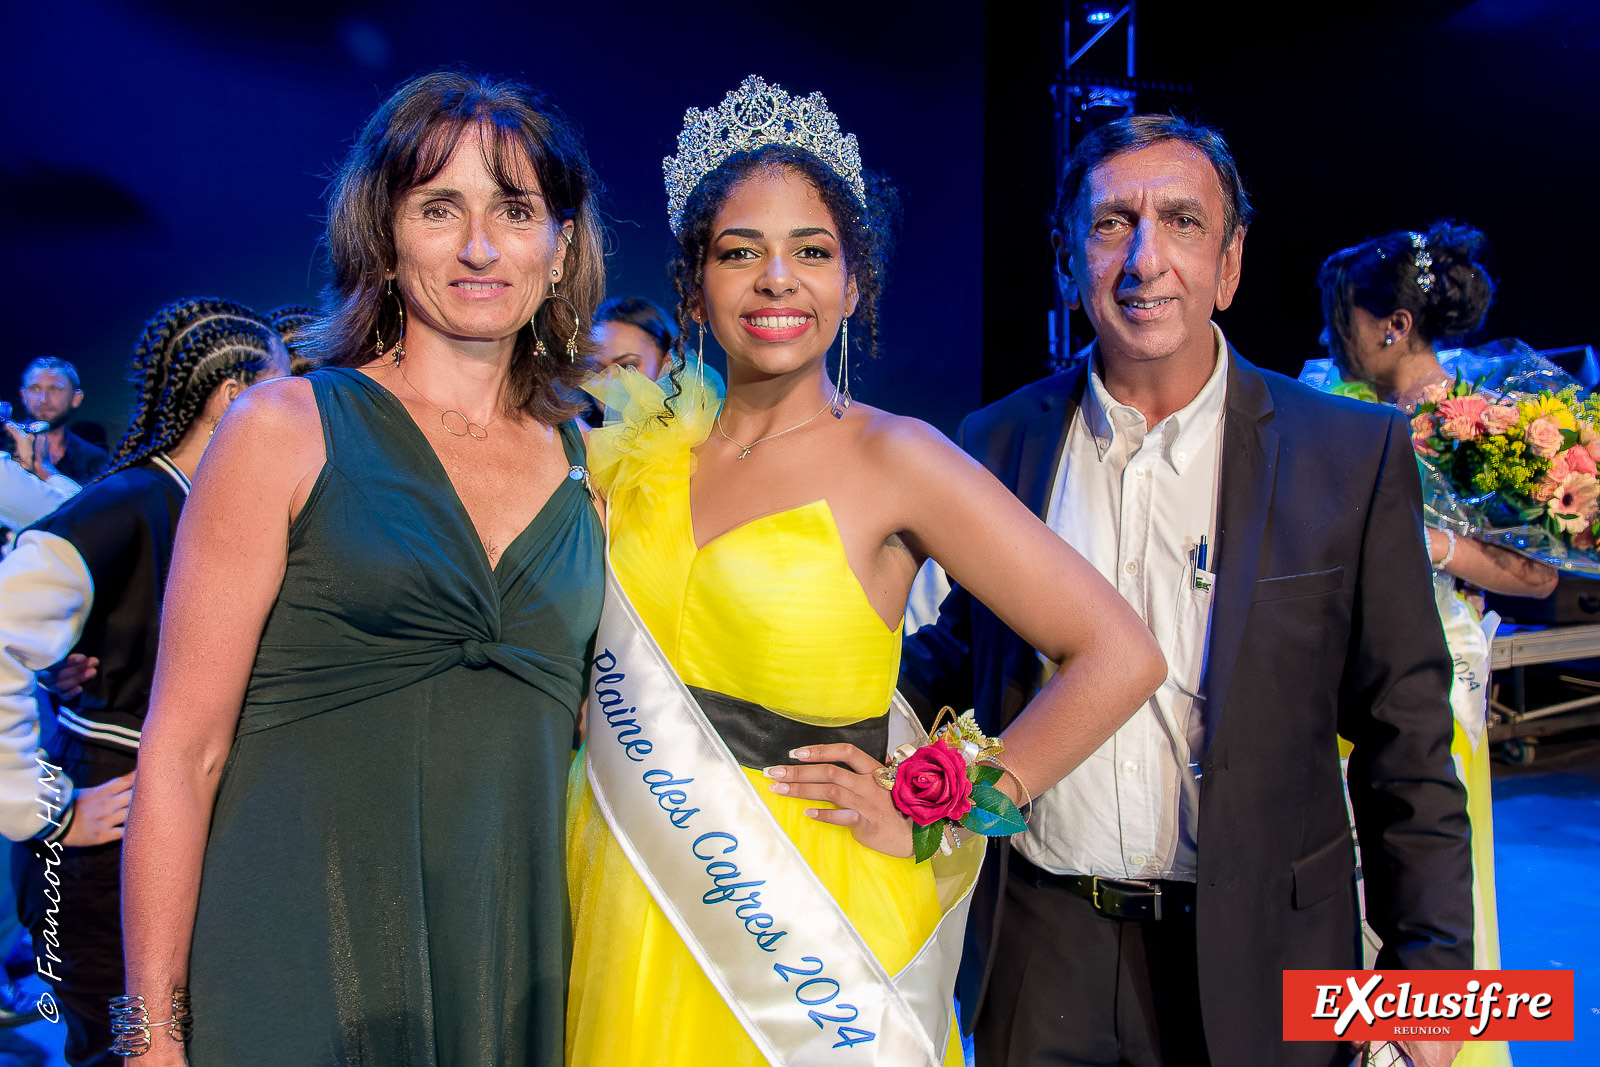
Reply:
x=1199 y=577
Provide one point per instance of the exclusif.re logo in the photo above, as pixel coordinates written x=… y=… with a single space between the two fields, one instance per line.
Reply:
x=1427 y=1005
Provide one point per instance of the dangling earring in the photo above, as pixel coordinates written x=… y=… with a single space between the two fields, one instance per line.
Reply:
x=400 y=342
x=841 y=389
x=572 y=342
x=700 y=356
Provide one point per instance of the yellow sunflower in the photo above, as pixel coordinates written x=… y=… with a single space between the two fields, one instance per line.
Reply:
x=1548 y=406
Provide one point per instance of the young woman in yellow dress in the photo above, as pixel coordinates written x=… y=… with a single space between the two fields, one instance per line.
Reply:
x=1390 y=303
x=769 y=544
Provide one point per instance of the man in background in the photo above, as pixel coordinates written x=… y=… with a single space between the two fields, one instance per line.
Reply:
x=50 y=394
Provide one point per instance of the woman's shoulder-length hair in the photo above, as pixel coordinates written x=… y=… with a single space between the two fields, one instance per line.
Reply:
x=407 y=142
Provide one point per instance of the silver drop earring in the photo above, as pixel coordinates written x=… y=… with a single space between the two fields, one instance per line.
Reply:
x=700 y=356
x=841 y=388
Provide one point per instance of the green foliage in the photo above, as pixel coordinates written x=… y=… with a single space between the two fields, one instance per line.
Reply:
x=925 y=839
x=984 y=774
x=993 y=814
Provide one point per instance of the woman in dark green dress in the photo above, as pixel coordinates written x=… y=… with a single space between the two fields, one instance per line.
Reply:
x=346 y=835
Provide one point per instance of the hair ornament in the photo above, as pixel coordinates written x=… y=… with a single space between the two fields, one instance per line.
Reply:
x=1422 y=259
x=752 y=116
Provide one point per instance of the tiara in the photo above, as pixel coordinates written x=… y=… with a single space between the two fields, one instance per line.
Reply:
x=754 y=115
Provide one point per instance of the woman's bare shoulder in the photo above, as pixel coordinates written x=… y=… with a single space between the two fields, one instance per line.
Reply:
x=905 y=443
x=274 y=405
x=273 y=428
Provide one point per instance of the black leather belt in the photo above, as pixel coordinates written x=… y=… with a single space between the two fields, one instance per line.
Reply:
x=1133 y=899
x=761 y=738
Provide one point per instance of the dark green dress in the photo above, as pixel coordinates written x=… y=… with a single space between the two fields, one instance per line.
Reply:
x=383 y=883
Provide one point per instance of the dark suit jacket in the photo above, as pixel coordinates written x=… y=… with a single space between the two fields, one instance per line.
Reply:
x=1323 y=624
x=82 y=461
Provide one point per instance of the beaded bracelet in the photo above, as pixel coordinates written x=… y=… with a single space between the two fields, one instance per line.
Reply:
x=1449 y=553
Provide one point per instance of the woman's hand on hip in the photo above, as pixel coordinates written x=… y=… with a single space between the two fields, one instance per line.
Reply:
x=860 y=802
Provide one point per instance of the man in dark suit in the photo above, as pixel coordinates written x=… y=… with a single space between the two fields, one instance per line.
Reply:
x=1271 y=537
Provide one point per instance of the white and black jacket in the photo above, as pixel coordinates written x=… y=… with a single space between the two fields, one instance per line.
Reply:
x=88 y=578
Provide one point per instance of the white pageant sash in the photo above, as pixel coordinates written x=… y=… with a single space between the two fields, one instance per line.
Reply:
x=795 y=972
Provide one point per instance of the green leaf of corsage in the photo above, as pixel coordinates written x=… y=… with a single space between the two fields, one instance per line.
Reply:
x=993 y=814
x=925 y=840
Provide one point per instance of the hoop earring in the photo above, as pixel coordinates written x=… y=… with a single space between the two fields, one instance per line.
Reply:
x=841 y=388
x=400 y=342
x=572 y=342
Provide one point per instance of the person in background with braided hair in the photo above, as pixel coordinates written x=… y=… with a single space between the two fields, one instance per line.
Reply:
x=346 y=838
x=293 y=323
x=89 y=579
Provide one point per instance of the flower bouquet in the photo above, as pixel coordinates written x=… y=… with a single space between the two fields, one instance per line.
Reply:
x=1508 y=451
x=946 y=783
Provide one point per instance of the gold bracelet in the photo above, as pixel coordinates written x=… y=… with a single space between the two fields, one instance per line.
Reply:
x=1027 y=796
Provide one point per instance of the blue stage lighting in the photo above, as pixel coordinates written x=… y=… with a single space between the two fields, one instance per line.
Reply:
x=1099 y=15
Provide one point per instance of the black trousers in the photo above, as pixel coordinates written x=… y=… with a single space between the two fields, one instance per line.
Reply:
x=1073 y=988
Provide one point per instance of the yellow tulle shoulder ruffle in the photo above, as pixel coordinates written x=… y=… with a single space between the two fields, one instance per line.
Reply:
x=647 y=440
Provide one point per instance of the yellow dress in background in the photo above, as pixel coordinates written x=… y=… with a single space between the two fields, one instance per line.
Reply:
x=769 y=612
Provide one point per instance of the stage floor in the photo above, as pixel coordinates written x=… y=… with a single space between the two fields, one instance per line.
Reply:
x=1547 y=875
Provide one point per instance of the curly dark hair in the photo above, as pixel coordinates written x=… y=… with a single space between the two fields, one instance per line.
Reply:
x=1380 y=276
x=187 y=349
x=409 y=140
x=866 y=231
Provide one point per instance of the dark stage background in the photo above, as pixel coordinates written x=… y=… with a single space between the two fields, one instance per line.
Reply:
x=167 y=148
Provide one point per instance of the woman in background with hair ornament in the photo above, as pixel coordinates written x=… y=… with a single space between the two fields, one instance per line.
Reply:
x=1390 y=305
x=347 y=834
x=88 y=579
x=739 y=908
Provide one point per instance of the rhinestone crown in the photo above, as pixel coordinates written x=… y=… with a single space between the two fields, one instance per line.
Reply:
x=754 y=115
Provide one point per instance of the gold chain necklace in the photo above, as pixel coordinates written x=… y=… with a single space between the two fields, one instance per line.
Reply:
x=745 y=449
x=468 y=428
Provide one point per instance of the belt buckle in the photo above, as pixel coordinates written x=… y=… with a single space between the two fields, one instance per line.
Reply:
x=1129 y=883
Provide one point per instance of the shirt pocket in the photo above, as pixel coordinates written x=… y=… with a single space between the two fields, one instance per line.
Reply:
x=1285 y=587
x=1191 y=623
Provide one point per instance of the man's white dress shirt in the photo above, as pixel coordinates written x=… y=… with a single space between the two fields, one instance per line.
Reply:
x=1135 y=501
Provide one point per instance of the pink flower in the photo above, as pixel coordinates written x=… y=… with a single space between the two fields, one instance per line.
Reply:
x=1461 y=417
x=1583 y=539
x=1499 y=418
x=932 y=784
x=1543 y=437
x=1421 y=431
x=1575 y=460
x=1434 y=392
x=1589 y=438
x=1576 y=502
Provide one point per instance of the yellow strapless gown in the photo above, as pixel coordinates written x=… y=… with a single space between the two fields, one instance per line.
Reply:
x=769 y=612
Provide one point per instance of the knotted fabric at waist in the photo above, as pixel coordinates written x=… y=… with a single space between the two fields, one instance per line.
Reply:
x=292 y=682
x=759 y=737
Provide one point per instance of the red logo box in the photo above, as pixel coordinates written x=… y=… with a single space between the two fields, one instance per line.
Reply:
x=1427 y=1005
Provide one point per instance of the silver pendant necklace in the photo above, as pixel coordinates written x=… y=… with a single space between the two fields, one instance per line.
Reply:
x=745 y=448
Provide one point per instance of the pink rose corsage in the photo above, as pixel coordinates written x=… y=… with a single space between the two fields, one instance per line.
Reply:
x=947 y=782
